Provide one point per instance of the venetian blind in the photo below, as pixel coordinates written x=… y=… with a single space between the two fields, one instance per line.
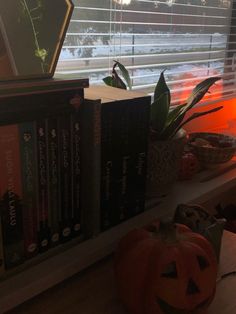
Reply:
x=189 y=39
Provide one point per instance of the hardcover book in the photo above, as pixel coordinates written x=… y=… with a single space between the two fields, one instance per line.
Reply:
x=27 y=107
x=27 y=141
x=138 y=135
x=38 y=86
x=90 y=166
x=2 y=267
x=64 y=133
x=76 y=172
x=42 y=185
x=124 y=134
x=11 y=196
x=54 y=179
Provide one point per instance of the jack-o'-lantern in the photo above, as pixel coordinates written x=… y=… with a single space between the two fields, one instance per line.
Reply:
x=165 y=269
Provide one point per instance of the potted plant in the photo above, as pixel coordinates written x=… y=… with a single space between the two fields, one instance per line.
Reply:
x=115 y=80
x=167 y=136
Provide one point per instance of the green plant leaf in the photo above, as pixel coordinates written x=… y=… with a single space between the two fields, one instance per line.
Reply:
x=199 y=91
x=175 y=126
x=161 y=88
x=173 y=114
x=114 y=80
x=172 y=128
x=159 y=112
x=41 y=53
x=197 y=94
x=108 y=80
x=197 y=115
x=125 y=73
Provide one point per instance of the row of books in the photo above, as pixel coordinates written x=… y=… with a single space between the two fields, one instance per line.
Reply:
x=37 y=136
x=72 y=171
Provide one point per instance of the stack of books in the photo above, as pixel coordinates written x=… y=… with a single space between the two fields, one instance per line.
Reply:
x=72 y=163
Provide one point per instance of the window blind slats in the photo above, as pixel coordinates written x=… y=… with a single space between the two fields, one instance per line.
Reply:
x=189 y=39
x=193 y=4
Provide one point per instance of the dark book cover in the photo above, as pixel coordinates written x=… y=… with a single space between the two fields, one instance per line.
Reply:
x=114 y=162
x=11 y=196
x=2 y=264
x=21 y=108
x=76 y=172
x=124 y=135
x=90 y=166
x=38 y=86
x=27 y=135
x=53 y=180
x=124 y=160
x=138 y=142
x=107 y=165
x=42 y=185
x=64 y=132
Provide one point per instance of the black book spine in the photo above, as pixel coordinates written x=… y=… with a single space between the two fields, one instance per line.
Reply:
x=54 y=184
x=138 y=141
x=126 y=160
x=27 y=133
x=65 y=175
x=90 y=167
x=115 y=162
x=107 y=164
x=76 y=172
x=42 y=195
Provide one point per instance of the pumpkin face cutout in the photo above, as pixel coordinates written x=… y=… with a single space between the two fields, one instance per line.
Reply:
x=158 y=273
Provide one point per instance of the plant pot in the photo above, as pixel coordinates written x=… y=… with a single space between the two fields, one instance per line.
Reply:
x=163 y=164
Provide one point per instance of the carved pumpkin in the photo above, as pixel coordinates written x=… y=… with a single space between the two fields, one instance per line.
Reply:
x=161 y=270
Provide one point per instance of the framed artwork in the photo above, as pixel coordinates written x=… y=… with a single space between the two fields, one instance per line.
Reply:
x=31 y=36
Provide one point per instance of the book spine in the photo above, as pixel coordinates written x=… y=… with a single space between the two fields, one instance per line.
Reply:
x=126 y=161
x=107 y=164
x=27 y=134
x=139 y=125
x=11 y=196
x=76 y=175
x=42 y=188
x=2 y=268
x=53 y=179
x=90 y=166
x=124 y=150
x=65 y=176
x=115 y=162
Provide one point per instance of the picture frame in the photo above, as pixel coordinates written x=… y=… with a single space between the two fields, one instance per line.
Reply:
x=32 y=33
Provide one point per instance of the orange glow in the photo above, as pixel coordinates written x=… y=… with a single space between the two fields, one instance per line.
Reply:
x=187 y=81
x=222 y=121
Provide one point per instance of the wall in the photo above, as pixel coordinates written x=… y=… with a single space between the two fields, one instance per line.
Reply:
x=223 y=120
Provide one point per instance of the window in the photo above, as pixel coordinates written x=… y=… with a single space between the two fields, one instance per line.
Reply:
x=190 y=39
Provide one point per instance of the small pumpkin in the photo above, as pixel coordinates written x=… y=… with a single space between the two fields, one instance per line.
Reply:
x=189 y=166
x=165 y=269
